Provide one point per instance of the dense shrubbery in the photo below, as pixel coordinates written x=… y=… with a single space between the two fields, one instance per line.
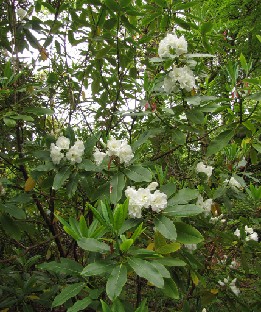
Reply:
x=130 y=157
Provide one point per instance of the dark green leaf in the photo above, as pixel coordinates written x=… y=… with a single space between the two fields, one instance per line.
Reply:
x=92 y=244
x=67 y=293
x=60 y=177
x=166 y=227
x=116 y=281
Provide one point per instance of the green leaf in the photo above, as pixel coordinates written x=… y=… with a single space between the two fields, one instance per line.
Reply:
x=88 y=165
x=243 y=62
x=167 y=261
x=168 y=248
x=117 y=185
x=166 y=227
x=220 y=142
x=183 y=210
x=65 y=266
x=144 y=269
x=126 y=244
x=137 y=173
x=119 y=215
x=60 y=177
x=187 y=234
x=80 y=305
x=206 y=27
x=195 y=116
x=183 y=196
x=170 y=289
x=98 y=268
x=257 y=146
x=113 y=5
x=83 y=226
x=160 y=268
x=10 y=227
x=178 y=137
x=116 y=281
x=67 y=293
x=92 y=244
x=105 y=307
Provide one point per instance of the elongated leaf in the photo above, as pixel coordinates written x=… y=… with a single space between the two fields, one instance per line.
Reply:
x=92 y=244
x=168 y=261
x=187 y=234
x=98 y=268
x=144 y=269
x=66 y=266
x=61 y=177
x=88 y=165
x=220 y=142
x=183 y=210
x=168 y=248
x=166 y=227
x=170 y=289
x=119 y=215
x=138 y=173
x=160 y=268
x=116 y=281
x=117 y=185
x=67 y=293
x=183 y=196
x=80 y=305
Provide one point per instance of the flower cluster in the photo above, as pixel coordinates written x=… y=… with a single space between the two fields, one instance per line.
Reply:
x=171 y=41
x=206 y=205
x=179 y=77
x=250 y=233
x=201 y=167
x=143 y=198
x=119 y=148
x=62 y=150
x=231 y=284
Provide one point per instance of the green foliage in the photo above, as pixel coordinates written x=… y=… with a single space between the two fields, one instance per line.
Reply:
x=71 y=236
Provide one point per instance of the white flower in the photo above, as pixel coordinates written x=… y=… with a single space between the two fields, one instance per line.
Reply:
x=158 y=201
x=253 y=236
x=79 y=145
x=152 y=186
x=233 y=183
x=201 y=167
x=171 y=41
x=170 y=85
x=181 y=45
x=56 y=154
x=74 y=155
x=125 y=153
x=204 y=310
x=191 y=247
x=242 y=163
x=233 y=264
x=206 y=205
x=21 y=13
x=63 y=143
x=237 y=232
x=249 y=230
x=98 y=156
x=235 y=290
x=182 y=77
x=113 y=146
x=134 y=211
x=143 y=197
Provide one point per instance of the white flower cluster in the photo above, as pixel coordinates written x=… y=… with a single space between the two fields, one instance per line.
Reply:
x=217 y=218
x=119 y=148
x=179 y=77
x=250 y=234
x=231 y=284
x=143 y=198
x=171 y=41
x=191 y=247
x=21 y=13
x=206 y=205
x=201 y=167
x=233 y=183
x=62 y=150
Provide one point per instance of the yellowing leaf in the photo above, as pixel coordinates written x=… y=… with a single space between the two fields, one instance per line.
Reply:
x=33 y=297
x=44 y=54
x=29 y=184
x=151 y=246
x=214 y=291
x=194 y=278
x=5 y=310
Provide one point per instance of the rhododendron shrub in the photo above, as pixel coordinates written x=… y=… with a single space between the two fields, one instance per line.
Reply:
x=130 y=175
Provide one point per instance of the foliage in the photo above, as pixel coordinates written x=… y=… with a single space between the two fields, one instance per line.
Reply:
x=102 y=137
